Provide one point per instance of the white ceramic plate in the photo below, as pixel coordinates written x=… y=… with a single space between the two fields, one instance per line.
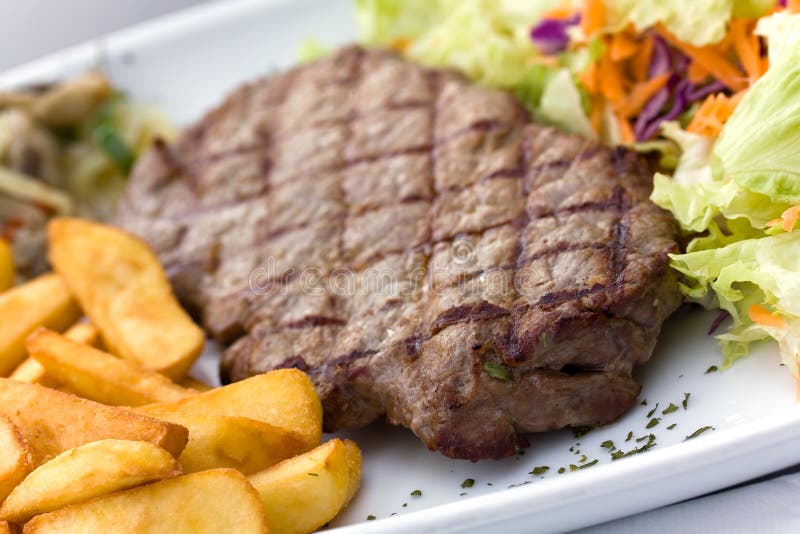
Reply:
x=187 y=62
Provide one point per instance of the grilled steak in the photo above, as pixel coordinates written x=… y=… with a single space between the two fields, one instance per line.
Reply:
x=417 y=246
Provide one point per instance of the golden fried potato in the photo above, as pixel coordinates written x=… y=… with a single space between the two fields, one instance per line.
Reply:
x=54 y=422
x=6 y=528
x=44 y=301
x=32 y=372
x=237 y=442
x=213 y=502
x=99 y=376
x=193 y=383
x=285 y=398
x=303 y=493
x=123 y=289
x=16 y=457
x=6 y=266
x=353 y=469
x=88 y=471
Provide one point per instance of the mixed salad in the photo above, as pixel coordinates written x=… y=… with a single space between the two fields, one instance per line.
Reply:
x=713 y=86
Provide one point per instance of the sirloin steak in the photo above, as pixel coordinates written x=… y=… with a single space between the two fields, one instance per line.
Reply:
x=417 y=246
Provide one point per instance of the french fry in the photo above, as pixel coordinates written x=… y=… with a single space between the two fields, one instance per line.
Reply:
x=16 y=457
x=6 y=266
x=44 y=301
x=219 y=500
x=193 y=383
x=32 y=372
x=123 y=289
x=6 y=528
x=54 y=422
x=303 y=493
x=88 y=471
x=237 y=442
x=98 y=376
x=285 y=398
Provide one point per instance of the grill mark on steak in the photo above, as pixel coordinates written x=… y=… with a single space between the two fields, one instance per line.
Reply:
x=566 y=220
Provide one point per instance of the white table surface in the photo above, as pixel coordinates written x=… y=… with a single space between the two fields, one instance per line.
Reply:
x=32 y=28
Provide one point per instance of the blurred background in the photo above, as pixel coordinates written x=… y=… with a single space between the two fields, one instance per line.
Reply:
x=32 y=28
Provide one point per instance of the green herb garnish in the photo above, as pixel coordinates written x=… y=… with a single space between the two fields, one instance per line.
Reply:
x=416 y=493
x=542 y=469
x=561 y=470
x=698 y=432
x=644 y=402
x=651 y=412
x=630 y=435
x=370 y=518
x=462 y=493
x=685 y=402
x=712 y=369
x=608 y=444
x=648 y=437
x=495 y=370
x=669 y=409
x=673 y=425
x=405 y=505
x=468 y=483
x=106 y=136
x=653 y=422
x=313 y=475
x=580 y=431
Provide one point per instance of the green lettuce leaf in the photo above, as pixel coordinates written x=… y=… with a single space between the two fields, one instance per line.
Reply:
x=739 y=275
x=382 y=21
x=561 y=106
x=758 y=146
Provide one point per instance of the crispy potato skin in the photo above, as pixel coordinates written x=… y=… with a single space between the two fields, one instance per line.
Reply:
x=32 y=372
x=6 y=266
x=214 y=501
x=16 y=457
x=44 y=301
x=285 y=398
x=122 y=287
x=86 y=472
x=303 y=493
x=99 y=376
x=54 y=422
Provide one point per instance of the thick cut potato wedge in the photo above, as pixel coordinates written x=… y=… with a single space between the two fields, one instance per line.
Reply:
x=16 y=457
x=6 y=266
x=237 y=442
x=88 y=471
x=44 y=301
x=303 y=493
x=32 y=372
x=6 y=528
x=99 y=376
x=285 y=398
x=54 y=422
x=213 y=502
x=123 y=289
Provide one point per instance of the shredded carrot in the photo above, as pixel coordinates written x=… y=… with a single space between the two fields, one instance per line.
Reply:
x=696 y=72
x=589 y=78
x=710 y=58
x=622 y=46
x=747 y=47
x=640 y=94
x=592 y=17
x=561 y=13
x=760 y=315
x=787 y=220
x=640 y=62
x=625 y=129
x=712 y=114
x=400 y=44
x=611 y=83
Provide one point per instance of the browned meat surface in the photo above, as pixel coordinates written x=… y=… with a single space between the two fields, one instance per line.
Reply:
x=417 y=246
